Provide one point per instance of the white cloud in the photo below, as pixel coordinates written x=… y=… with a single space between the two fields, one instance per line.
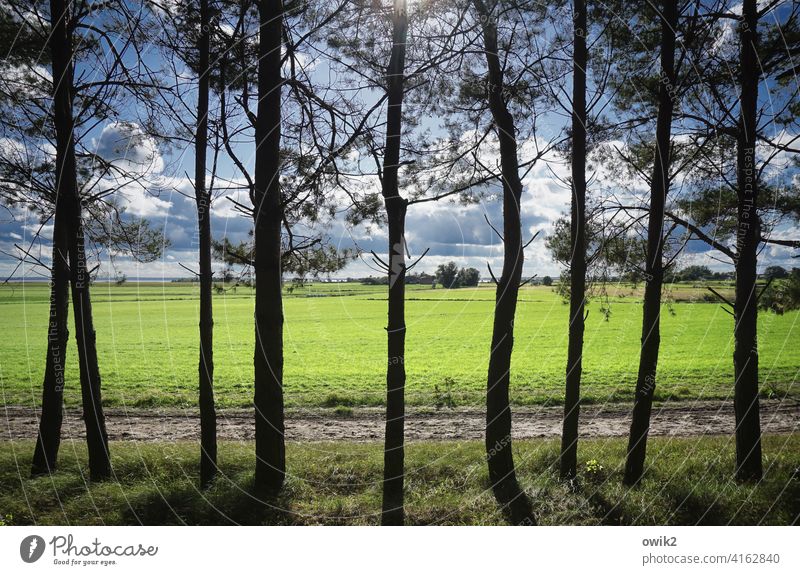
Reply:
x=128 y=147
x=144 y=205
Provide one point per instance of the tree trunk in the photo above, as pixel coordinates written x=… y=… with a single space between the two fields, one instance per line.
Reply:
x=392 y=512
x=67 y=185
x=577 y=297
x=267 y=213
x=208 y=416
x=392 y=509
x=745 y=355
x=49 y=439
x=93 y=417
x=502 y=474
x=654 y=265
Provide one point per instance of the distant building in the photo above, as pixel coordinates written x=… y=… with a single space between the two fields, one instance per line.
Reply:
x=420 y=278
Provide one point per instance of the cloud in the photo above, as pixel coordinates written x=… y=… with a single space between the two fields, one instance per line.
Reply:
x=455 y=232
x=128 y=147
x=33 y=81
x=144 y=205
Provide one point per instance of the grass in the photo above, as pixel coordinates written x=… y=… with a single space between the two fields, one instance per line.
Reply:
x=689 y=482
x=335 y=346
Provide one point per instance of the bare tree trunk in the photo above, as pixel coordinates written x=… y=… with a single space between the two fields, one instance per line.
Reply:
x=208 y=416
x=93 y=416
x=67 y=185
x=577 y=297
x=392 y=509
x=498 y=410
x=268 y=215
x=745 y=355
x=654 y=265
x=49 y=438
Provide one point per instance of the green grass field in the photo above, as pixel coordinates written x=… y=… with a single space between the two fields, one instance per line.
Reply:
x=335 y=346
x=689 y=482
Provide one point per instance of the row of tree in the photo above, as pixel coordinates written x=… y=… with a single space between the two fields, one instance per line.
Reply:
x=450 y=276
x=376 y=108
x=694 y=119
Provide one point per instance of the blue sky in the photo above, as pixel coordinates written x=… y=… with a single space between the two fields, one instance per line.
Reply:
x=449 y=230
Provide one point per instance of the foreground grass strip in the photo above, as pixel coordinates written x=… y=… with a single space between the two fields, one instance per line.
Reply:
x=689 y=482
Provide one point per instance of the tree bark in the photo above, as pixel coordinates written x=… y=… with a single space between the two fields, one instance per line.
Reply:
x=502 y=474
x=208 y=416
x=67 y=185
x=268 y=216
x=93 y=416
x=49 y=439
x=745 y=355
x=654 y=265
x=392 y=508
x=577 y=298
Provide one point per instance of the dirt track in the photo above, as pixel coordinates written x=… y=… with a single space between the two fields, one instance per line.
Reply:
x=677 y=419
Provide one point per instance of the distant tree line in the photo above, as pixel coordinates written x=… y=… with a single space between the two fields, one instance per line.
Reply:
x=696 y=273
x=450 y=276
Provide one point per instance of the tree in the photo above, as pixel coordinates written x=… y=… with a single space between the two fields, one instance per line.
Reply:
x=100 y=75
x=268 y=219
x=748 y=235
x=404 y=89
x=692 y=273
x=208 y=416
x=468 y=277
x=747 y=207
x=301 y=128
x=775 y=273
x=49 y=436
x=450 y=276
x=447 y=275
x=187 y=36
x=654 y=263
x=613 y=241
x=611 y=250
x=547 y=281
x=26 y=46
x=782 y=295
x=68 y=209
x=502 y=473
x=21 y=44
x=577 y=298
x=722 y=201
x=396 y=206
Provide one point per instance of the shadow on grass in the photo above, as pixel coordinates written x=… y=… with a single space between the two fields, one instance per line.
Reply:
x=224 y=503
x=690 y=483
x=610 y=512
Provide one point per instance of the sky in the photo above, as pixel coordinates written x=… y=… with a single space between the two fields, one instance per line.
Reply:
x=449 y=230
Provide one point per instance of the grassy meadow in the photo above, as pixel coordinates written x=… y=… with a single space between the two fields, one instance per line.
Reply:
x=689 y=482
x=335 y=345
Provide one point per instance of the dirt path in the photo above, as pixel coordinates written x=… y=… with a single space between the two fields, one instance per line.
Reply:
x=678 y=419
